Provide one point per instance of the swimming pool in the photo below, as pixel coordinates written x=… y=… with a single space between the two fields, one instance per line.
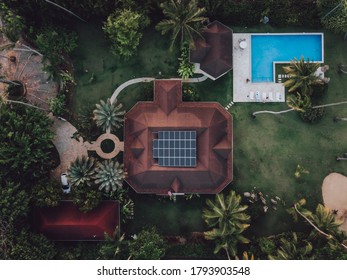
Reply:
x=269 y=48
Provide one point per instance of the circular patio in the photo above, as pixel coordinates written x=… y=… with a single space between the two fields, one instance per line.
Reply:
x=107 y=146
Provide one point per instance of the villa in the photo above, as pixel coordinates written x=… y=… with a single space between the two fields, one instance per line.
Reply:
x=175 y=147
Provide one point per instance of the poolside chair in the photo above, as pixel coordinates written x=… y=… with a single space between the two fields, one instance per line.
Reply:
x=270 y=96
x=265 y=98
x=251 y=95
x=279 y=96
x=257 y=96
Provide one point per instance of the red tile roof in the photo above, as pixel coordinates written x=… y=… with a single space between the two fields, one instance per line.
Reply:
x=213 y=125
x=66 y=222
x=214 y=53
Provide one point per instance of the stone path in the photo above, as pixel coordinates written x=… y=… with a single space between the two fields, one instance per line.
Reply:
x=128 y=83
x=69 y=149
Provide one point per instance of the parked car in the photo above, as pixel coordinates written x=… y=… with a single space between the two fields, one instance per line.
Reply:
x=65 y=186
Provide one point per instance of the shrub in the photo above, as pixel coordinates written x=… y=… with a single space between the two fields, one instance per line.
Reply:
x=86 y=198
x=46 y=193
x=123 y=28
x=312 y=115
x=186 y=69
x=13 y=24
x=148 y=245
x=57 y=105
x=190 y=93
x=54 y=43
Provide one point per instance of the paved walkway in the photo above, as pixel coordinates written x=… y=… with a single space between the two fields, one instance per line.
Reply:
x=147 y=80
x=334 y=190
x=128 y=83
x=69 y=149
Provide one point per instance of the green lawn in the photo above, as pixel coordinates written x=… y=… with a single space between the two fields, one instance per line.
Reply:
x=266 y=149
x=93 y=58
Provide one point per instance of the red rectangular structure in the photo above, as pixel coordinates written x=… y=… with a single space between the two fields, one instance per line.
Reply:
x=67 y=223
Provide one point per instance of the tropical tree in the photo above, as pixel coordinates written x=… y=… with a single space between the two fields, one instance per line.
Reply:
x=147 y=245
x=108 y=116
x=300 y=170
x=186 y=69
x=334 y=14
x=302 y=76
x=183 y=18
x=46 y=193
x=291 y=249
x=30 y=246
x=299 y=102
x=13 y=24
x=109 y=175
x=55 y=43
x=26 y=142
x=228 y=220
x=14 y=202
x=114 y=246
x=123 y=28
x=86 y=197
x=323 y=221
x=81 y=172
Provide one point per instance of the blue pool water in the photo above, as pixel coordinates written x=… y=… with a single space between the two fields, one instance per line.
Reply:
x=269 y=48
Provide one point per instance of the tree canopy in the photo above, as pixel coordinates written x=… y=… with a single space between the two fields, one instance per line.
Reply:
x=123 y=28
x=26 y=142
x=183 y=18
x=147 y=245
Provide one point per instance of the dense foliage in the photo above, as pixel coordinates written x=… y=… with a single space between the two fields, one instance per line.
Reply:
x=334 y=14
x=312 y=115
x=13 y=24
x=31 y=246
x=14 y=202
x=186 y=69
x=183 y=18
x=108 y=116
x=228 y=220
x=26 y=140
x=46 y=193
x=109 y=175
x=54 y=43
x=123 y=28
x=147 y=245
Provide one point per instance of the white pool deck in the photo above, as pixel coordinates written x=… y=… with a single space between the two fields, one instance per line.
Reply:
x=243 y=88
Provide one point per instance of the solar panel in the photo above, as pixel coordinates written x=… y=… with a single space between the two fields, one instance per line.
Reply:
x=175 y=148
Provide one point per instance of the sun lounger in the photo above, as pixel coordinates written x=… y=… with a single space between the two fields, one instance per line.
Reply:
x=251 y=95
x=265 y=98
x=257 y=96
x=279 y=96
x=270 y=96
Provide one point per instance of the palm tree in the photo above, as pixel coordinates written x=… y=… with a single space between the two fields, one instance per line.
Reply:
x=107 y=115
x=292 y=250
x=323 y=221
x=302 y=76
x=110 y=175
x=81 y=171
x=326 y=221
x=227 y=219
x=299 y=102
x=183 y=19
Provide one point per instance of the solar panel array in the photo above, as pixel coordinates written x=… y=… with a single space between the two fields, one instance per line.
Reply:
x=175 y=148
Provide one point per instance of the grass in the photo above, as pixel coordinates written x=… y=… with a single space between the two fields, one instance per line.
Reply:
x=98 y=72
x=266 y=149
